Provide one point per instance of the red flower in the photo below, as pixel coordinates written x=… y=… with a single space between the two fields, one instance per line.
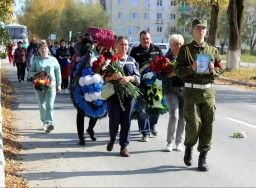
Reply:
x=161 y=64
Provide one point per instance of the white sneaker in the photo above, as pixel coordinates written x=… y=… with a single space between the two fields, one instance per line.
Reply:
x=179 y=147
x=49 y=128
x=43 y=128
x=66 y=91
x=145 y=138
x=169 y=147
x=62 y=91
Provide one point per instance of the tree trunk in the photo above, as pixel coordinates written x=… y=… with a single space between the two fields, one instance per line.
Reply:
x=235 y=16
x=213 y=24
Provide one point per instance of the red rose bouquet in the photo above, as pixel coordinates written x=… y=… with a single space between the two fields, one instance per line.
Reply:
x=108 y=67
x=162 y=64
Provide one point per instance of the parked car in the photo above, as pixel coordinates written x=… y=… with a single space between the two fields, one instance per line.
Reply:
x=132 y=45
x=163 y=46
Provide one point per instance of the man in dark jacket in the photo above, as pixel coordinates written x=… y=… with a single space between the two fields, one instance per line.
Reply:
x=143 y=53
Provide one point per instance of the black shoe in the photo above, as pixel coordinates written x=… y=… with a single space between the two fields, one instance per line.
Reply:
x=188 y=156
x=154 y=131
x=91 y=133
x=82 y=142
x=110 y=145
x=19 y=80
x=202 y=166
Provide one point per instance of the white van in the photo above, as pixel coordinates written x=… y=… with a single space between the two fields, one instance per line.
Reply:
x=163 y=46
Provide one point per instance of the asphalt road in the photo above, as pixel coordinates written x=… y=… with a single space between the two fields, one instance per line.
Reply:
x=56 y=160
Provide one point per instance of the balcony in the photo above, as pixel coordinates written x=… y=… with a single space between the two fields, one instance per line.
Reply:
x=159 y=21
x=184 y=8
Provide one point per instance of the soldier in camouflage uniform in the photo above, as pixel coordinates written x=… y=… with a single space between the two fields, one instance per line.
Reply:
x=199 y=92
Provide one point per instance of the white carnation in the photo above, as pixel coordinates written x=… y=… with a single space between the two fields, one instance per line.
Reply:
x=81 y=81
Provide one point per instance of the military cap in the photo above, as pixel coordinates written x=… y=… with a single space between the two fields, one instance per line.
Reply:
x=199 y=22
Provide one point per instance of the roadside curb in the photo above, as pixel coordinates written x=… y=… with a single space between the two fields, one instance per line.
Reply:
x=237 y=82
x=2 y=161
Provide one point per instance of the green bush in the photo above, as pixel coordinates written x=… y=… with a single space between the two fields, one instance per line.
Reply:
x=3 y=55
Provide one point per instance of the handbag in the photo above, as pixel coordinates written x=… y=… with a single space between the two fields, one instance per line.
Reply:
x=107 y=91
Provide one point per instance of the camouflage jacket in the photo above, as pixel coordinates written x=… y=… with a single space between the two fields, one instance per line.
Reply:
x=188 y=54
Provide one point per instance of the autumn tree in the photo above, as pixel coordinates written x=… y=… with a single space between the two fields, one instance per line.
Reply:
x=6 y=10
x=209 y=10
x=235 y=18
x=79 y=16
x=61 y=16
x=249 y=26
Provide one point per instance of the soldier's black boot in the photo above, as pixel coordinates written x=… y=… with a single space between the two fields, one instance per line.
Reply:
x=90 y=130
x=188 y=156
x=202 y=166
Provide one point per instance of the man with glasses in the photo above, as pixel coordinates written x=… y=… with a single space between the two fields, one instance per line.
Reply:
x=199 y=93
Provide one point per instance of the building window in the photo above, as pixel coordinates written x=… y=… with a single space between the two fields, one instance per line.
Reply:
x=159 y=16
x=146 y=16
x=184 y=4
x=134 y=2
x=120 y=15
x=146 y=2
x=120 y=2
x=159 y=2
x=159 y=29
x=133 y=29
x=120 y=29
x=172 y=16
x=173 y=29
x=134 y=15
x=173 y=3
x=147 y=28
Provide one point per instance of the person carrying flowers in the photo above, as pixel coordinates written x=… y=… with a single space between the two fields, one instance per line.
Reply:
x=47 y=81
x=86 y=89
x=173 y=89
x=122 y=72
x=144 y=54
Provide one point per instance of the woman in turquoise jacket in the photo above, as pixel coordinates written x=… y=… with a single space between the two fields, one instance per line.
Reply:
x=45 y=64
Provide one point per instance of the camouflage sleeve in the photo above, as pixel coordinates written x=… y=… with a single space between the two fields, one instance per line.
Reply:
x=183 y=67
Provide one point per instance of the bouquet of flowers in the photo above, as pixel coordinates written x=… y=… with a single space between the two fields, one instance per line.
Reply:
x=42 y=81
x=108 y=67
x=162 y=64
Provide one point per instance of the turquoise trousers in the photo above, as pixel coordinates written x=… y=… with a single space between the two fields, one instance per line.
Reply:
x=45 y=101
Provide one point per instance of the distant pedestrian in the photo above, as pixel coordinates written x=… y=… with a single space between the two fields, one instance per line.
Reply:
x=20 y=61
x=63 y=56
x=10 y=52
x=199 y=92
x=49 y=65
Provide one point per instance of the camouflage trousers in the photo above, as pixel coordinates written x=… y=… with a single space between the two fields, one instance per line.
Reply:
x=199 y=113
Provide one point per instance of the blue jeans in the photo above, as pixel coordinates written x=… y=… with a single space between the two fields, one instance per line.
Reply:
x=46 y=101
x=145 y=121
x=118 y=116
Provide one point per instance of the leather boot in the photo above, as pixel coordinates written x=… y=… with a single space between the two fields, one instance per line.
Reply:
x=188 y=156
x=202 y=166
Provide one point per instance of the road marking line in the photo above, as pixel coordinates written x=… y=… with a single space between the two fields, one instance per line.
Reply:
x=238 y=121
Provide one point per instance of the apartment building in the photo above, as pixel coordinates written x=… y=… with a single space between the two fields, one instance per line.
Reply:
x=129 y=17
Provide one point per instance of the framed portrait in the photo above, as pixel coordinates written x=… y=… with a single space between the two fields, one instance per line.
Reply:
x=203 y=63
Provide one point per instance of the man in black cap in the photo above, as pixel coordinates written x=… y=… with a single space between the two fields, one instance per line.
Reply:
x=198 y=64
